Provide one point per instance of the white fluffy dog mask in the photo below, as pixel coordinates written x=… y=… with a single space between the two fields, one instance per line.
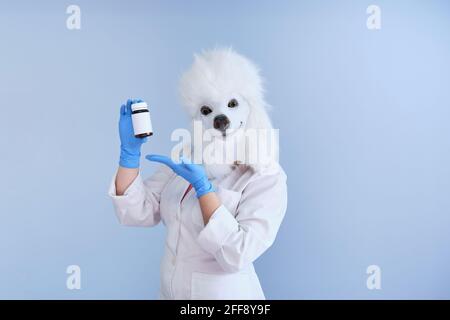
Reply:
x=224 y=91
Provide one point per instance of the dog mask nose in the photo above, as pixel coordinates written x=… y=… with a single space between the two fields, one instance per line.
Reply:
x=221 y=122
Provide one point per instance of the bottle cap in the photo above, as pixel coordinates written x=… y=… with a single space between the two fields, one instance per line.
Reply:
x=139 y=106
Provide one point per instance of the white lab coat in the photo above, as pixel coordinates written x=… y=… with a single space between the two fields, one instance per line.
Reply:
x=213 y=261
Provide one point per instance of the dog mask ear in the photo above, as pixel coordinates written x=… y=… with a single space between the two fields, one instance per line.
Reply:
x=258 y=117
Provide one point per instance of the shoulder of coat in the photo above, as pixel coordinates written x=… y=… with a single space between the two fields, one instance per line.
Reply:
x=274 y=172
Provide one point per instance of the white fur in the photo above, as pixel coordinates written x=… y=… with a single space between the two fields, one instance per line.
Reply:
x=215 y=77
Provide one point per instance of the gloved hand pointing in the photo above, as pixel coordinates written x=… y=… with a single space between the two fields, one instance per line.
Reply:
x=193 y=173
x=130 y=146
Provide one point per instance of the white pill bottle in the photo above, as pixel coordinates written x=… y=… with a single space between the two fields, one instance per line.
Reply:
x=140 y=116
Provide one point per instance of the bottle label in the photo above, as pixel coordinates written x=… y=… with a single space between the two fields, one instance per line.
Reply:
x=141 y=122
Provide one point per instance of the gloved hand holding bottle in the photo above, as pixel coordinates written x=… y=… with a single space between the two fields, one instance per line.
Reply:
x=130 y=149
x=130 y=146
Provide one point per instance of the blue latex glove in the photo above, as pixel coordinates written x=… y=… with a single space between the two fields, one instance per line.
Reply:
x=193 y=173
x=130 y=146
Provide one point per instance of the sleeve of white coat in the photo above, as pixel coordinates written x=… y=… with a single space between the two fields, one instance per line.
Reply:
x=237 y=241
x=139 y=205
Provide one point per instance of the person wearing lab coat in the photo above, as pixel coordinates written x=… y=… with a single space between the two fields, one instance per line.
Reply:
x=221 y=217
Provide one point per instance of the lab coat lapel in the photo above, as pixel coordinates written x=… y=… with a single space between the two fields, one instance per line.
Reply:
x=181 y=186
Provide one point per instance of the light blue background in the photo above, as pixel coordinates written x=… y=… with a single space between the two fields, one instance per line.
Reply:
x=364 y=125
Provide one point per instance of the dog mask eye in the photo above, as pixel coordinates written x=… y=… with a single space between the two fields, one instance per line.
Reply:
x=233 y=103
x=205 y=110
